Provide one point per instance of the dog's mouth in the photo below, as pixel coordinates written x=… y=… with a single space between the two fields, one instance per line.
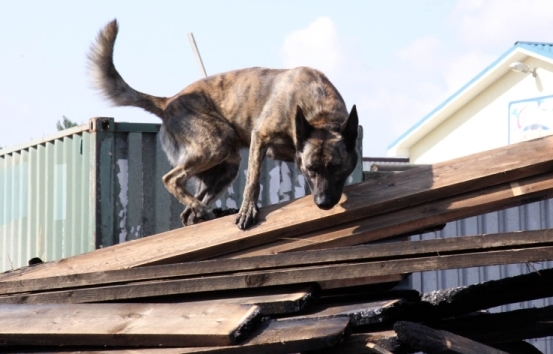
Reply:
x=326 y=207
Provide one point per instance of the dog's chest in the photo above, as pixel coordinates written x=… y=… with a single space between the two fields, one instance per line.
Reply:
x=281 y=149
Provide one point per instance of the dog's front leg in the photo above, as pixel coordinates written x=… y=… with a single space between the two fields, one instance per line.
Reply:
x=247 y=216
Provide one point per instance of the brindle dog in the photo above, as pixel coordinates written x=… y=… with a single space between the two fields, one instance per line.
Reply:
x=290 y=115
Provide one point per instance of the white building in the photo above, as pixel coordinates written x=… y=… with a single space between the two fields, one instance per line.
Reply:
x=510 y=101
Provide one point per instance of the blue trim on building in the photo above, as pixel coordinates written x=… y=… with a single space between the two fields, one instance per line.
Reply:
x=545 y=49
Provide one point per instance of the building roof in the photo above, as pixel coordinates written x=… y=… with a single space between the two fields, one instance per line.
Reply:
x=519 y=52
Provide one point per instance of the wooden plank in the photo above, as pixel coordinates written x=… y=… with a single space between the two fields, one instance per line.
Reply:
x=255 y=279
x=415 y=218
x=406 y=189
x=272 y=337
x=365 y=253
x=431 y=341
x=271 y=301
x=125 y=324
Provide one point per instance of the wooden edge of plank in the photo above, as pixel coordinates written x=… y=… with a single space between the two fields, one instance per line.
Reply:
x=246 y=324
x=347 y=283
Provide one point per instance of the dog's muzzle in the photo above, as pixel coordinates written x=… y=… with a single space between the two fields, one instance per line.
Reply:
x=325 y=202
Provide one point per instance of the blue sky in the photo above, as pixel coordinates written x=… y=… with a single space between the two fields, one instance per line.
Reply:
x=395 y=59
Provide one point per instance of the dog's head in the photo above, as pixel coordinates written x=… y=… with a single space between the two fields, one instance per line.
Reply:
x=326 y=156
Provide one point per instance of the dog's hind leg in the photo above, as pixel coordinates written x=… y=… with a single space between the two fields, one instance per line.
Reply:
x=212 y=183
x=175 y=182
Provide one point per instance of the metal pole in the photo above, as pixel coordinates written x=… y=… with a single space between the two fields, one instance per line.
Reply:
x=197 y=53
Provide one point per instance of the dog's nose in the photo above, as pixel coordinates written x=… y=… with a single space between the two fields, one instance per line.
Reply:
x=324 y=202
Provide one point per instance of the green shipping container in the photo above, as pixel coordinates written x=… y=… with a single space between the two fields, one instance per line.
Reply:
x=100 y=184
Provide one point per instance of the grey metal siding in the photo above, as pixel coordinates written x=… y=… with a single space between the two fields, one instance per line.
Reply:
x=526 y=217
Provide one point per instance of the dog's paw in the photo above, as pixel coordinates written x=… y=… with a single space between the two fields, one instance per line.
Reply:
x=247 y=216
x=195 y=216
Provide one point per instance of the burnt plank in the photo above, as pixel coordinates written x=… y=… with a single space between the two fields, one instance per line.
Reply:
x=366 y=199
x=433 y=341
x=264 y=278
x=380 y=252
x=125 y=324
x=504 y=327
x=461 y=300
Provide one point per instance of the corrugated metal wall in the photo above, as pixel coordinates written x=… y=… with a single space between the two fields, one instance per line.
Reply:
x=46 y=205
x=527 y=217
x=100 y=184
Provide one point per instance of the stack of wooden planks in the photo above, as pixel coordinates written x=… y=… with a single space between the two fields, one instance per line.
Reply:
x=303 y=279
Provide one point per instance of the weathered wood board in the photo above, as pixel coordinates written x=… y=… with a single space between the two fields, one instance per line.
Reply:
x=125 y=324
x=409 y=220
x=273 y=337
x=358 y=254
x=285 y=276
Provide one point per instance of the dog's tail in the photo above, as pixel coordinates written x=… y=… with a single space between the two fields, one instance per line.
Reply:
x=108 y=81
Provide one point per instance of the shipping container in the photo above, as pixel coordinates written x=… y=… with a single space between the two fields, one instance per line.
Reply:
x=99 y=184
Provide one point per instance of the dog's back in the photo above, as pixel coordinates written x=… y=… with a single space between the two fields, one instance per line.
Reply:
x=247 y=97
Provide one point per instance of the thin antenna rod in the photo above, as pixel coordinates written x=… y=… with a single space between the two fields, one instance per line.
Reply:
x=197 y=53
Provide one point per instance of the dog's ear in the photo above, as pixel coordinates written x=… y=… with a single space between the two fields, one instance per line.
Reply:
x=349 y=129
x=303 y=129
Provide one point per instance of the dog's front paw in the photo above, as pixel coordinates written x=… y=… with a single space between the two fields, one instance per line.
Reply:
x=247 y=216
x=191 y=216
